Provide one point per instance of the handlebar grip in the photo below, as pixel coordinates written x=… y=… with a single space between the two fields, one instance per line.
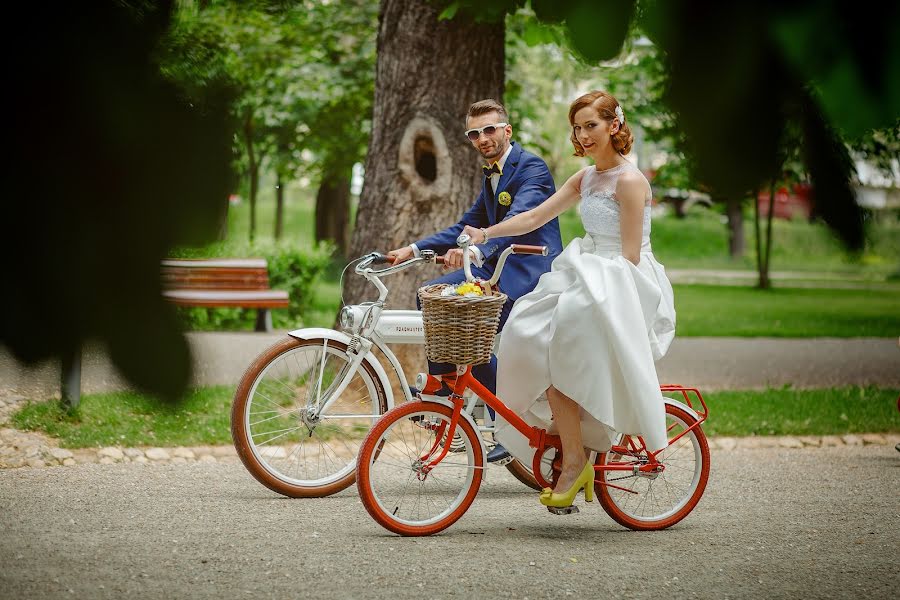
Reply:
x=382 y=259
x=523 y=249
x=438 y=260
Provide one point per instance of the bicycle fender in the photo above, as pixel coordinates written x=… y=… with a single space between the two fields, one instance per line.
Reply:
x=682 y=406
x=312 y=333
x=465 y=415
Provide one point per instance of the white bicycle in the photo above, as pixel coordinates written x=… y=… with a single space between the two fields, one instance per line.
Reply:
x=303 y=408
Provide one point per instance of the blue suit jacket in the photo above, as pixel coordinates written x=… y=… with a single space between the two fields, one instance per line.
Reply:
x=527 y=180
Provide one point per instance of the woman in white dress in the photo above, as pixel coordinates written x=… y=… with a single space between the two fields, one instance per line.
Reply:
x=585 y=340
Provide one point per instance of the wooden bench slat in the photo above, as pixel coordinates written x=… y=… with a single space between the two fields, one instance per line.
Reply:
x=249 y=299
x=233 y=263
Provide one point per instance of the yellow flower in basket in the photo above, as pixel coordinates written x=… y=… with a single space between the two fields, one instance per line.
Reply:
x=469 y=288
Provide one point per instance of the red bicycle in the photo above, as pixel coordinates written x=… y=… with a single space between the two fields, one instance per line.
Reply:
x=421 y=465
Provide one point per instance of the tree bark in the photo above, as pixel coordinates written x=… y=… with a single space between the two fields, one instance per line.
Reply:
x=734 y=212
x=768 y=280
x=763 y=254
x=253 y=171
x=279 y=206
x=333 y=209
x=421 y=172
x=762 y=280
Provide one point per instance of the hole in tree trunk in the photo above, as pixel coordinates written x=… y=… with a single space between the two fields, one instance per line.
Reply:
x=424 y=158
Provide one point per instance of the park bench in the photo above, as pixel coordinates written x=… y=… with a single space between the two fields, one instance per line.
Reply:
x=223 y=282
x=215 y=282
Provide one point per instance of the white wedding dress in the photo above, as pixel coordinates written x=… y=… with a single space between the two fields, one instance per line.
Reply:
x=592 y=328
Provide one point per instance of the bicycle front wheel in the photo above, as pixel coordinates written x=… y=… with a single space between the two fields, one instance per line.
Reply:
x=650 y=501
x=281 y=434
x=394 y=482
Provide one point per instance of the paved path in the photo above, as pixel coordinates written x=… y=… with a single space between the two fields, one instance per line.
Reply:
x=708 y=363
x=772 y=524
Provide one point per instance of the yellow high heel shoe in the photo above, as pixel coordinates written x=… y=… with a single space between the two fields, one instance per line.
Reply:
x=584 y=481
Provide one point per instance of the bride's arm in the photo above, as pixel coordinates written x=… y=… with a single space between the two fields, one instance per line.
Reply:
x=631 y=193
x=565 y=197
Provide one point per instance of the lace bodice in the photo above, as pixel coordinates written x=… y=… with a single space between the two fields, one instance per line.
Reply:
x=600 y=209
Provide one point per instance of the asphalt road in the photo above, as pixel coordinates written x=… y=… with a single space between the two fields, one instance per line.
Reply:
x=774 y=523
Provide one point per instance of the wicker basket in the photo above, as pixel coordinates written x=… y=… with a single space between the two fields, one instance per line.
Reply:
x=459 y=329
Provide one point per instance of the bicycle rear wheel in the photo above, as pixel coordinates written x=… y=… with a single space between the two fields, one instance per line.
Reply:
x=653 y=501
x=523 y=474
x=284 y=441
x=392 y=484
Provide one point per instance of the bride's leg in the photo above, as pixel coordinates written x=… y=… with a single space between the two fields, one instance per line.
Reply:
x=567 y=417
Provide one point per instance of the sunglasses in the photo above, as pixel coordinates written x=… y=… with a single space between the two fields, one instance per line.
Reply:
x=474 y=134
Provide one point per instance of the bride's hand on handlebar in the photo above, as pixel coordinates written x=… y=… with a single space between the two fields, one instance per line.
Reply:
x=401 y=255
x=476 y=234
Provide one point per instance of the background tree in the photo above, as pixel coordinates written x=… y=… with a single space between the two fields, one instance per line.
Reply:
x=305 y=73
x=421 y=172
x=732 y=68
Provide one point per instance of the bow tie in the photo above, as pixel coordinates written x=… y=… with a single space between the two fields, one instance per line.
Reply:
x=494 y=168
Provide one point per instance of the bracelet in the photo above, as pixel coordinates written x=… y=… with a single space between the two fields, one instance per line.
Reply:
x=485 y=233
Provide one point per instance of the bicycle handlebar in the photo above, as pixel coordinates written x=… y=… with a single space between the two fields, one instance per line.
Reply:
x=464 y=242
x=524 y=249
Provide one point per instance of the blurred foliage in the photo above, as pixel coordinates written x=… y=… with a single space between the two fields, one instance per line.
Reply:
x=881 y=147
x=304 y=72
x=737 y=73
x=111 y=168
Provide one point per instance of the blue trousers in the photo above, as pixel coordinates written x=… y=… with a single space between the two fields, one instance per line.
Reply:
x=486 y=374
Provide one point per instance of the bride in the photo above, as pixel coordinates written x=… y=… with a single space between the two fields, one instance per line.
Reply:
x=585 y=340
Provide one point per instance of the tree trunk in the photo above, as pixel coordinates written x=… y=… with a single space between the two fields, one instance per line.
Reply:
x=763 y=280
x=735 y=213
x=763 y=254
x=769 y=217
x=421 y=172
x=253 y=170
x=279 y=207
x=333 y=209
x=222 y=229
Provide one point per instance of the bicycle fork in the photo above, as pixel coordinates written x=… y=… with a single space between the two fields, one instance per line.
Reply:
x=358 y=348
x=444 y=431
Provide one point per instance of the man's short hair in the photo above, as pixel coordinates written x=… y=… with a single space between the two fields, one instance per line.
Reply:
x=485 y=106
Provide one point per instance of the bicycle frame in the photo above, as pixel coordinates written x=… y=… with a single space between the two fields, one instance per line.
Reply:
x=370 y=325
x=541 y=440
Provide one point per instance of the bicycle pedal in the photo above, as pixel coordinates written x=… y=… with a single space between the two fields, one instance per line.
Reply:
x=566 y=510
x=504 y=461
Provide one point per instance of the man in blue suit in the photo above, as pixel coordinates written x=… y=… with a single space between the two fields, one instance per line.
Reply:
x=514 y=181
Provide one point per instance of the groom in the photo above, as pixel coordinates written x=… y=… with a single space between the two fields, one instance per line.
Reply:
x=514 y=181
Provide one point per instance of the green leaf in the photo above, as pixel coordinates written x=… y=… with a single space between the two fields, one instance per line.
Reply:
x=449 y=12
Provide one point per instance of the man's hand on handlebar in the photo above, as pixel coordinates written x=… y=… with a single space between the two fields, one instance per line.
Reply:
x=401 y=255
x=454 y=259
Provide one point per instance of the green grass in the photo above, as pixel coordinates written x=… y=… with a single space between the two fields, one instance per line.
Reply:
x=724 y=311
x=709 y=310
x=130 y=419
x=802 y=412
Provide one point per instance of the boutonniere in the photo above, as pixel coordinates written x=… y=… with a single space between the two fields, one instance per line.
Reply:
x=504 y=198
